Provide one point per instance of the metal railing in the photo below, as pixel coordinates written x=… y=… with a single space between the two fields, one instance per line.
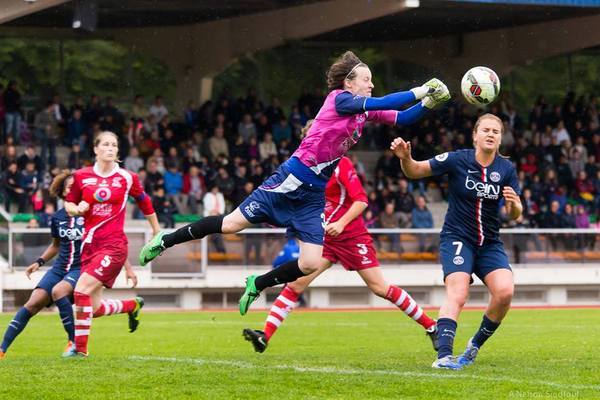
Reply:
x=254 y=248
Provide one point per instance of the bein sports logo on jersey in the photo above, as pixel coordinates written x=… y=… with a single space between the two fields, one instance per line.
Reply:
x=483 y=189
x=70 y=233
x=251 y=208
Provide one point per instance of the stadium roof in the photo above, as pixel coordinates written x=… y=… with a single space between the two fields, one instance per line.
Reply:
x=429 y=18
x=436 y=18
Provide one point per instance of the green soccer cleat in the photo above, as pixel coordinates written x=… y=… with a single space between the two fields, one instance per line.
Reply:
x=134 y=316
x=152 y=249
x=250 y=294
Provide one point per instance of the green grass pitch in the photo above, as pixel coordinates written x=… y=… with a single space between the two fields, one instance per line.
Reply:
x=315 y=355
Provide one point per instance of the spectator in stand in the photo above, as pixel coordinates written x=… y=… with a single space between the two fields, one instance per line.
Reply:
x=422 y=218
x=165 y=210
x=239 y=148
x=37 y=201
x=46 y=133
x=389 y=220
x=570 y=240
x=133 y=162
x=158 y=109
x=9 y=156
x=262 y=126
x=75 y=127
x=388 y=165
x=584 y=188
x=214 y=204
x=267 y=147
x=253 y=152
x=13 y=113
x=173 y=188
x=246 y=128
x=225 y=183
x=2 y=114
x=28 y=181
x=139 y=111
x=282 y=130
x=404 y=204
x=30 y=155
x=75 y=157
x=173 y=158
x=167 y=140
x=13 y=192
x=93 y=111
x=217 y=144
x=582 y=221
x=560 y=133
x=158 y=158
x=45 y=217
x=194 y=188
x=553 y=219
x=191 y=115
x=154 y=179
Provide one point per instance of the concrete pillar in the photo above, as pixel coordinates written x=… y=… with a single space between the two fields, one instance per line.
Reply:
x=318 y=298
x=190 y=299
x=556 y=296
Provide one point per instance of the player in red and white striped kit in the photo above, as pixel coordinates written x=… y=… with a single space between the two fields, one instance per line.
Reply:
x=100 y=195
x=348 y=242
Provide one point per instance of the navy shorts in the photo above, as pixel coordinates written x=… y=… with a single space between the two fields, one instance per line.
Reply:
x=54 y=276
x=458 y=255
x=283 y=200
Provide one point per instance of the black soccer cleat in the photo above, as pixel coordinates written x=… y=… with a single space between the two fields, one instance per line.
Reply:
x=134 y=316
x=432 y=333
x=258 y=339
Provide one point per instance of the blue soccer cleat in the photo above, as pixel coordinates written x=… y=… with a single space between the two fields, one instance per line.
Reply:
x=448 y=362
x=468 y=357
x=69 y=350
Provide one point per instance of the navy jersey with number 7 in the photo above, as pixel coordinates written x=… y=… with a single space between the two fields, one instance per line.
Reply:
x=474 y=194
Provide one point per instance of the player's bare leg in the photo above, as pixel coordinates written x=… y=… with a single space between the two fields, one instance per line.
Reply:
x=286 y=301
x=375 y=280
x=230 y=223
x=309 y=261
x=501 y=286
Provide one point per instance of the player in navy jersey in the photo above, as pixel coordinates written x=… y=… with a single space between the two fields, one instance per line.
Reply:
x=58 y=282
x=294 y=196
x=479 y=180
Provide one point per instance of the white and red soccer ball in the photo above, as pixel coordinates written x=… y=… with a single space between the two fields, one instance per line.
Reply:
x=480 y=86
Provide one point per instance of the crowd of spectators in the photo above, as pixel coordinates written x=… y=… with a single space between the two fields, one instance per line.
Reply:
x=211 y=159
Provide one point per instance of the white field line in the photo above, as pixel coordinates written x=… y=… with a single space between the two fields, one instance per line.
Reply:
x=355 y=371
x=396 y=324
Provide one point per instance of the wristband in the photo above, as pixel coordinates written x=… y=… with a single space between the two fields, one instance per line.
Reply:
x=40 y=261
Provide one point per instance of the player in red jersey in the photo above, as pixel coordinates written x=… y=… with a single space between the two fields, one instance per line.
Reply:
x=348 y=242
x=100 y=194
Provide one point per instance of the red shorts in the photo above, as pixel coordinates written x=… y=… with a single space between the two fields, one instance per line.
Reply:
x=103 y=261
x=354 y=253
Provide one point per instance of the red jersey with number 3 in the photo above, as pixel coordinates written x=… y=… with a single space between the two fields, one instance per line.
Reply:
x=343 y=189
x=107 y=196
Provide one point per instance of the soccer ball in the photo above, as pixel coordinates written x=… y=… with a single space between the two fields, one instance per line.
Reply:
x=480 y=86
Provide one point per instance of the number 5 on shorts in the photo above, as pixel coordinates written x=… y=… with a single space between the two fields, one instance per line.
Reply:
x=459 y=246
x=105 y=261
